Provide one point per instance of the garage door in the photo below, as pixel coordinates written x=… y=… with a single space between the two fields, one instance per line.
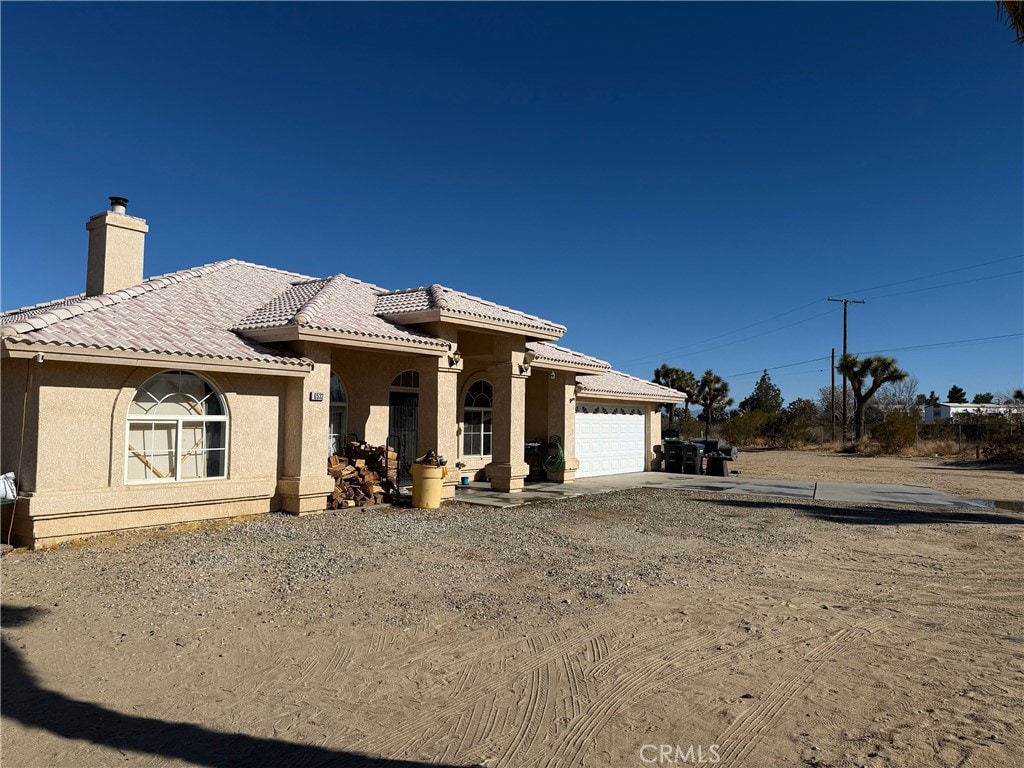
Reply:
x=609 y=440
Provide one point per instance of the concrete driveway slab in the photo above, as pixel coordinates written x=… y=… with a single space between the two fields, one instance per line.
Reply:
x=854 y=493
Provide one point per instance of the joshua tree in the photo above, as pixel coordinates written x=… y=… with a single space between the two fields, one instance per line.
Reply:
x=712 y=394
x=1013 y=12
x=676 y=378
x=881 y=370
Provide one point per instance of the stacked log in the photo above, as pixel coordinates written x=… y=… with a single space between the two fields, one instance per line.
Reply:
x=365 y=475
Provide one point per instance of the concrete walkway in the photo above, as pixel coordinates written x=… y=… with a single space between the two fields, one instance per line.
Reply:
x=854 y=493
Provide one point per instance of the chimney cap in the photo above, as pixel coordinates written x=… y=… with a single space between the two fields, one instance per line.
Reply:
x=118 y=202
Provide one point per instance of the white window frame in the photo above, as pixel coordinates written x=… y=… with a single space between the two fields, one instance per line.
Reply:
x=486 y=428
x=178 y=422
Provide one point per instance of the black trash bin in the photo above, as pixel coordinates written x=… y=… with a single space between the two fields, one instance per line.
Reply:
x=717 y=466
x=674 y=454
x=693 y=459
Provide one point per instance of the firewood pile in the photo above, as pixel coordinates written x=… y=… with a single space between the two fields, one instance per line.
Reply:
x=365 y=475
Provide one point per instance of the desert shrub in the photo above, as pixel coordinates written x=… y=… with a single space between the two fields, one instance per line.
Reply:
x=896 y=434
x=945 y=447
x=745 y=429
x=1006 y=448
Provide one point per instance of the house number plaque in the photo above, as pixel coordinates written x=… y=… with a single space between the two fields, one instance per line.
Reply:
x=316 y=397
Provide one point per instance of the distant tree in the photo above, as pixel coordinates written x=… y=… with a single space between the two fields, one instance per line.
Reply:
x=933 y=399
x=881 y=370
x=688 y=384
x=956 y=395
x=900 y=396
x=676 y=378
x=713 y=396
x=983 y=398
x=766 y=397
x=828 y=404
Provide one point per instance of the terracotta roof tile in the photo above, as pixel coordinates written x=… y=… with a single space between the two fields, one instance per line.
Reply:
x=397 y=303
x=340 y=303
x=186 y=313
x=622 y=385
x=15 y=316
x=552 y=353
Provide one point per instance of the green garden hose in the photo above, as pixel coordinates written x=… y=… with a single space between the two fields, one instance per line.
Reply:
x=554 y=459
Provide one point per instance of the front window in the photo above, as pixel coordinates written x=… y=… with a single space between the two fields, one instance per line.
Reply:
x=477 y=433
x=177 y=430
x=337 y=424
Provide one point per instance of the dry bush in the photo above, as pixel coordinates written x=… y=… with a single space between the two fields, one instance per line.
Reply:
x=938 y=448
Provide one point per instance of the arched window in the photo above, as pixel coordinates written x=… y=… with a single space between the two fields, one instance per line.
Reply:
x=337 y=422
x=177 y=430
x=477 y=409
x=406 y=380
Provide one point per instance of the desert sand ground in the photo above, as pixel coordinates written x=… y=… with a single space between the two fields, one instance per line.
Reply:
x=638 y=628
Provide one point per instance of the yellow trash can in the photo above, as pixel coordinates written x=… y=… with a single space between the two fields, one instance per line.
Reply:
x=427 y=483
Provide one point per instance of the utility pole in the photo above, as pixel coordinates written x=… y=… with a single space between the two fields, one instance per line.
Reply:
x=832 y=398
x=846 y=302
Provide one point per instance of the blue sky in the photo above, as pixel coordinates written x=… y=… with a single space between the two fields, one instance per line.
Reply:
x=677 y=183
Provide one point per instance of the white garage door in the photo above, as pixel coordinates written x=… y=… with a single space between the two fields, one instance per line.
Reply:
x=609 y=440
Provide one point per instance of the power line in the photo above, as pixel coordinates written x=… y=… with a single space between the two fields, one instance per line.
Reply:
x=690 y=348
x=980 y=339
x=777 y=367
x=674 y=350
x=937 y=274
x=947 y=285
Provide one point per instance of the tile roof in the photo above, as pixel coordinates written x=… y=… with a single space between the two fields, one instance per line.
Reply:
x=340 y=303
x=619 y=385
x=412 y=300
x=184 y=313
x=16 y=316
x=552 y=353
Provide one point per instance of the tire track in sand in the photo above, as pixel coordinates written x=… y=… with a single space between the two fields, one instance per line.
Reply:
x=419 y=730
x=651 y=672
x=740 y=738
x=538 y=701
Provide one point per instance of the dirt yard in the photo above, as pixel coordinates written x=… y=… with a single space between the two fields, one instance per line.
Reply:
x=638 y=628
x=957 y=477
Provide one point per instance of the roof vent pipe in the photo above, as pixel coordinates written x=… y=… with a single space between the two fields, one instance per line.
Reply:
x=118 y=204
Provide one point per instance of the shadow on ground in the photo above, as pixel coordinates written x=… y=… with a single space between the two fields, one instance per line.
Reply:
x=973 y=466
x=867 y=515
x=25 y=701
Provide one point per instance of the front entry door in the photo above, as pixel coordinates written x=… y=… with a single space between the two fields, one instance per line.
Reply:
x=402 y=424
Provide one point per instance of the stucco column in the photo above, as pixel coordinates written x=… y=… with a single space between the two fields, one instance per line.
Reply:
x=438 y=416
x=652 y=434
x=508 y=468
x=304 y=483
x=562 y=422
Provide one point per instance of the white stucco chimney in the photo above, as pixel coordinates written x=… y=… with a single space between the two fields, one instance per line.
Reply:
x=116 y=242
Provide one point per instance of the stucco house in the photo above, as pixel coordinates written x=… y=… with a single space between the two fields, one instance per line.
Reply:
x=220 y=391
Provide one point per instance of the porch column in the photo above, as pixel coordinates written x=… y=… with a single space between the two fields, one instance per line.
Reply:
x=652 y=435
x=562 y=422
x=508 y=469
x=439 y=417
x=304 y=484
